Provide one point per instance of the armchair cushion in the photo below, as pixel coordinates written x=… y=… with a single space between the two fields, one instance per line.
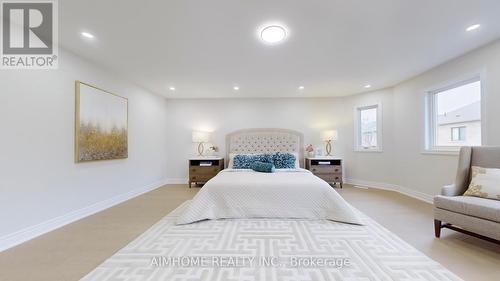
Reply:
x=485 y=183
x=471 y=206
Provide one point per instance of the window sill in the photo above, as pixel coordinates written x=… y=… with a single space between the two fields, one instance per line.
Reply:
x=441 y=152
x=372 y=150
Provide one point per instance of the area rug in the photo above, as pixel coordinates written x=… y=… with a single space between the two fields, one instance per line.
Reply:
x=268 y=249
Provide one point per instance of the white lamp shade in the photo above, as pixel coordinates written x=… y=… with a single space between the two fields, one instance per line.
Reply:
x=201 y=136
x=329 y=135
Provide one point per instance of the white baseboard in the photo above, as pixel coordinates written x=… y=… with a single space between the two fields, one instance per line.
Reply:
x=23 y=235
x=386 y=186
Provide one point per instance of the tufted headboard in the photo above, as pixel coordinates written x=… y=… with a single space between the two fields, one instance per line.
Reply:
x=265 y=141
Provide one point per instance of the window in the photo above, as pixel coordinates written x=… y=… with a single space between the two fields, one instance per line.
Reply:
x=454 y=116
x=368 y=131
x=458 y=133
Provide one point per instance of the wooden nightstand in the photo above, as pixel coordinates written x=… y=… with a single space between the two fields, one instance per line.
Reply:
x=327 y=168
x=202 y=169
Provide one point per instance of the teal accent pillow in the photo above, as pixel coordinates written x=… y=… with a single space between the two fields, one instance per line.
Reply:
x=244 y=161
x=263 y=167
x=284 y=160
x=266 y=158
x=279 y=159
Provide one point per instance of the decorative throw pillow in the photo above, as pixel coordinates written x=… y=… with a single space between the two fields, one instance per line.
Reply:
x=244 y=161
x=263 y=167
x=485 y=183
x=265 y=158
x=284 y=160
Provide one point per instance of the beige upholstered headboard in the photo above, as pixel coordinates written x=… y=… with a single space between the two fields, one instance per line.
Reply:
x=265 y=141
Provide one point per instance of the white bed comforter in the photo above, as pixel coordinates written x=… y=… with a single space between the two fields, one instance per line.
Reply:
x=294 y=193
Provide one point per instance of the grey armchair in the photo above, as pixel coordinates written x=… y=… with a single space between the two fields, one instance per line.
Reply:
x=475 y=216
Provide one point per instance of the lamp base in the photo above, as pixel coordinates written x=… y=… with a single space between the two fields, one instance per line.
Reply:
x=328 y=148
x=200 y=149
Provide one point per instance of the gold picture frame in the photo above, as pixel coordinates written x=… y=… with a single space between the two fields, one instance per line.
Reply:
x=102 y=132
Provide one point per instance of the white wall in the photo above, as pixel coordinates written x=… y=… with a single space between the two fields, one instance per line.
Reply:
x=427 y=173
x=400 y=165
x=223 y=116
x=366 y=166
x=38 y=177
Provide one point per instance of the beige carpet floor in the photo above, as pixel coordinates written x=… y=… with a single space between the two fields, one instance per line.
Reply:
x=69 y=253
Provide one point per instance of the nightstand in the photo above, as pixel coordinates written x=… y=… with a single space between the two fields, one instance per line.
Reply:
x=202 y=169
x=327 y=168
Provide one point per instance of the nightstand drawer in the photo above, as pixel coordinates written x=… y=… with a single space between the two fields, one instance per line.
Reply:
x=200 y=177
x=330 y=177
x=326 y=169
x=204 y=170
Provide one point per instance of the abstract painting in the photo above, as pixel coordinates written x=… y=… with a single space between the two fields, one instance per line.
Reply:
x=101 y=124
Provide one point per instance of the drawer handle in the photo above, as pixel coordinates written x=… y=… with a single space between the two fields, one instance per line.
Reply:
x=336 y=170
x=314 y=170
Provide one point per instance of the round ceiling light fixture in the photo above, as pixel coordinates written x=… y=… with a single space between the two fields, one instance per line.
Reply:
x=87 y=35
x=273 y=34
x=473 y=27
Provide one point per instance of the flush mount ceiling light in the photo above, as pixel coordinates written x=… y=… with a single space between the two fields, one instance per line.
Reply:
x=87 y=35
x=301 y=88
x=473 y=27
x=236 y=88
x=171 y=88
x=368 y=86
x=273 y=34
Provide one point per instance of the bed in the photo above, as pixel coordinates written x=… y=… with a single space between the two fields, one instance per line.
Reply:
x=284 y=194
x=217 y=236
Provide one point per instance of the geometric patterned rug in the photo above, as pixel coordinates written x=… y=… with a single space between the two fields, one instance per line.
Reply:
x=268 y=249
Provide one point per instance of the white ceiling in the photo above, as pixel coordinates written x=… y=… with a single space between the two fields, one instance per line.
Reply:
x=333 y=48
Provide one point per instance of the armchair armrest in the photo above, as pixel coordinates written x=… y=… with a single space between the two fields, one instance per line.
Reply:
x=450 y=190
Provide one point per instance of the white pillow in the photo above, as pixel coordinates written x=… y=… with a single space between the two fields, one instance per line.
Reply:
x=297 y=162
x=231 y=158
x=485 y=183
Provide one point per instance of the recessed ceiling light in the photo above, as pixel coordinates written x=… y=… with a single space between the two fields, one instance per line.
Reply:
x=473 y=27
x=87 y=35
x=171 y=88
x=236 y=88
x=368 y=86
x=273 y=34
x=301 y=88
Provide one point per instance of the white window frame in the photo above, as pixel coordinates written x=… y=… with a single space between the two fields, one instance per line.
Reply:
x=357 y=128
x=430 y=125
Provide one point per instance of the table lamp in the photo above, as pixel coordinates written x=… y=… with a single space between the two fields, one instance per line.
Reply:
x=328 y=137
x=200 y=138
